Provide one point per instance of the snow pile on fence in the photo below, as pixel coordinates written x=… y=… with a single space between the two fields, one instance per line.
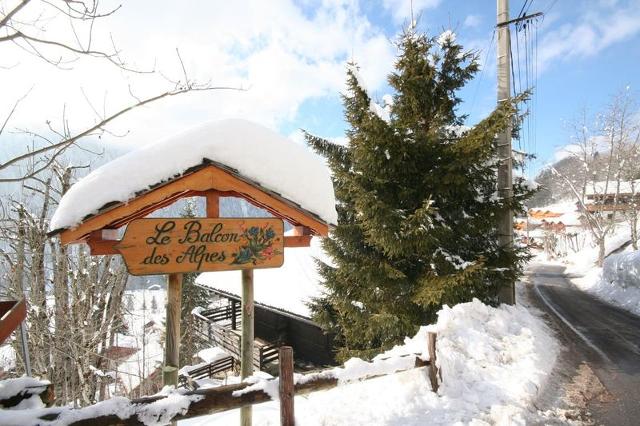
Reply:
x=25 y=386
x=256 y=152
x=494 y=363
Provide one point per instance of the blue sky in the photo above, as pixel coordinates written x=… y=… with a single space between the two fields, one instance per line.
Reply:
x=290 y=56
x=570 y=77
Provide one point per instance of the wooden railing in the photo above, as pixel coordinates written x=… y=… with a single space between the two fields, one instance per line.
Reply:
x=229 y=339
x=227 y=315
x=209 y=370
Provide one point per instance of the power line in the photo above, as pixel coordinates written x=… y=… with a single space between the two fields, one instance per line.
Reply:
x=486 y=58
x=553 y=3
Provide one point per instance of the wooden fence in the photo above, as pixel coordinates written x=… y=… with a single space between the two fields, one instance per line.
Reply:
x=223 y=398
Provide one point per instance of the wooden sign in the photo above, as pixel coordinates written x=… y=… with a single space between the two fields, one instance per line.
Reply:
x=168 y=246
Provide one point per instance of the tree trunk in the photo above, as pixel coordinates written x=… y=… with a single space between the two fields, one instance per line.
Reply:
x=601 y=251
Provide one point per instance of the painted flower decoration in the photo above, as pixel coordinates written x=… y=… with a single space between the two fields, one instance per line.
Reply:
x=259 y=246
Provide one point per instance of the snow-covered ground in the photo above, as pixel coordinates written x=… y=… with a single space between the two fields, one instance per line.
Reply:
x=494 y=363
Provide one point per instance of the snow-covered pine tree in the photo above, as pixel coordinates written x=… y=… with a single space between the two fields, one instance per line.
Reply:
x=416 y=201
x=192 y=297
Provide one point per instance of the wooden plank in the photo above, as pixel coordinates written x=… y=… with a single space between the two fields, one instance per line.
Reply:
x=285 y=386
x=202 y=180
x=12 y=314
x=433 y=369
x=172 y=338
x=175 y=245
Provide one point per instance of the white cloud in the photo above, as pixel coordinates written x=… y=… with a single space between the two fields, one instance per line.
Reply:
x=594 y=31
x=401 y=9
x=472 y=21
x=282 y=54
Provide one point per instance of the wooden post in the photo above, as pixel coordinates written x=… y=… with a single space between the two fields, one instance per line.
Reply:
x=286 y=386
x=172 y=352
x=246 y=344
x=433 y=369
x=213 y=204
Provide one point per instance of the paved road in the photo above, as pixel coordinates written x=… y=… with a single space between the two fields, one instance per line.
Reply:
x=606 y=338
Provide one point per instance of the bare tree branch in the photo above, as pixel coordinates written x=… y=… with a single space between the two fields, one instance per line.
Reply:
x=12 y=13
x=66 y=142
x=13 y=110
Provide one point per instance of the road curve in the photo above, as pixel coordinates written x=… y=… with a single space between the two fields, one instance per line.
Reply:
x=606 y=337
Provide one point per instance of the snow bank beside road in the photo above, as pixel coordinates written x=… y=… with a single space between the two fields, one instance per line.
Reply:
x=618 y=282
x=494 y=362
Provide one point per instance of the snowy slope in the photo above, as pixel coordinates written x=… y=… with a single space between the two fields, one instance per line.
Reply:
x=289 y=287
x=255 y=151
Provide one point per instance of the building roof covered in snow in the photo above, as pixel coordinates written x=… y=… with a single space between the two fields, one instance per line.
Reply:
x=611 y=187
x=248 y=151
x=565 y=212
x=288 y=288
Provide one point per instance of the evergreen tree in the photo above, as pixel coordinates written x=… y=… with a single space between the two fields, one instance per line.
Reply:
x=416 y=201
x=192 y=297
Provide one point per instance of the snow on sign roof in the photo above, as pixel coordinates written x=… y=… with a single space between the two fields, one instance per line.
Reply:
x=256 y=152
x=287 y=288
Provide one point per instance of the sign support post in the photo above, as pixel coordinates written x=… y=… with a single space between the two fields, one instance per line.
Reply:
x=172 y=353
x=246 y=344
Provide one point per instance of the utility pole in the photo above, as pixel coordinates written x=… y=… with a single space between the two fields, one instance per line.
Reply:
x=505 y=180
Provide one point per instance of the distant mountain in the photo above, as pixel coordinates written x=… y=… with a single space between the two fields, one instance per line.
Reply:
x=554 y=186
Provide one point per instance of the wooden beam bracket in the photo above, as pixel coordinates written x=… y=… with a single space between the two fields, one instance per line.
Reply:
x=103 y=242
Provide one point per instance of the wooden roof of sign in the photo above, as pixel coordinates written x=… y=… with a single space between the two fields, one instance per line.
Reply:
x=207 y=178
x=231 y=158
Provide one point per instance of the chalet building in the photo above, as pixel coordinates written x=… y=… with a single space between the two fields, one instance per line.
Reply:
x=554 y=229
x=282 y=316
x=613 y=196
